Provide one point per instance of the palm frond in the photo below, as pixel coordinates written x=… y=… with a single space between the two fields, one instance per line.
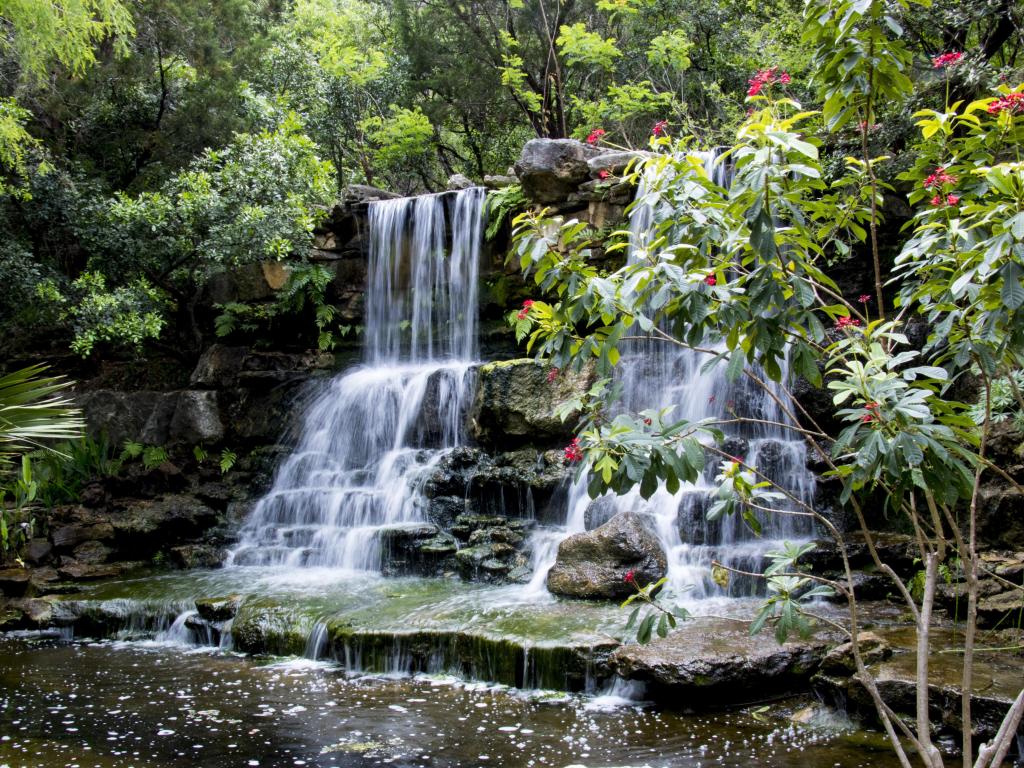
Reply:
x=34 y=411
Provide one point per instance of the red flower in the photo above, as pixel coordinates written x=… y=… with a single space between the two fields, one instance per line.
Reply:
x=710 y=280
x=846 y=322
x=573 y=452
x=630 y=577
x=595 y=135
x=660 y=128
x=766 y=77
x=867 y=417
x=525 y=310
x=872 y=406
x=1011 y=102
x=647 y=421
x=938 y=178
x=552 y=375
x=602 y=174
x=949 y=200
x=947 y=60
x=864 y=298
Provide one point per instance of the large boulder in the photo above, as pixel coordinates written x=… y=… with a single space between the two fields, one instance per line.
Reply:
x=550 y=169
x=196 y=418
x=593 y=565
x=516 y=403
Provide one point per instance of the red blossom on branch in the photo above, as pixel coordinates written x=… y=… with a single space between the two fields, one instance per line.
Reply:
x=660 y=128
x=847 y=322
x=573 y=452
x=595 y=135
x=553 y=374
x=630 y=577
x=1011 y=102
x=864 y=298
x=947 y=59
x=603 y=174
x=525 y=310
x=710 y=280
x=867 y=418
x=949 y=200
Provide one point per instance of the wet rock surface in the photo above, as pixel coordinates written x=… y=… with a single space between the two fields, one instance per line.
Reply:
x=593 y=565
x=997 y=681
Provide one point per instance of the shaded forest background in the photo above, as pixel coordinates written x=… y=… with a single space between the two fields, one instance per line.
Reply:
x=147 y=144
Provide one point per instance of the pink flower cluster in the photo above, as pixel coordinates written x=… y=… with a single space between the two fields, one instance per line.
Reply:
x=521 y=315
x=595 y=135
x=847 y=322
x=938 y=178
x=573 y=452
x=947 y=59
x=660 y=128
x=1011 y=102
x=949 y=200
x=765 y=77
x=710 y=280
x=552 y=375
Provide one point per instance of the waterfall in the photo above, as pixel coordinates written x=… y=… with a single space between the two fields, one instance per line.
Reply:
x=657 y=375
x=370 y=439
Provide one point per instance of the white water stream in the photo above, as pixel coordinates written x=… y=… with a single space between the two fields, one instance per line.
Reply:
x=370 y=439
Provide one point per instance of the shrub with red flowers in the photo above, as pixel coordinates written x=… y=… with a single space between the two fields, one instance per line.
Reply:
x=596 y=135
x=947 y=60
x=938 y=178
x=1011 y=102
x=764 y=78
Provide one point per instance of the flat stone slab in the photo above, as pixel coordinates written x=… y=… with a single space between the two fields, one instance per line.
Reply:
x=716 y=661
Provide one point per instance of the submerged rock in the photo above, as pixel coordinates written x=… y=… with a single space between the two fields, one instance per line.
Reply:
x=593 y=565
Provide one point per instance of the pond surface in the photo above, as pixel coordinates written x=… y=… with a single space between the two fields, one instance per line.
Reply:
x=143 y=705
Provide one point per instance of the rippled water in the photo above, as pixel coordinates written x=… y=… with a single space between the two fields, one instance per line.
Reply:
x=124 y=705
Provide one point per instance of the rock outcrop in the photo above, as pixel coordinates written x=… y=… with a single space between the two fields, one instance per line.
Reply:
x=551 y=169
x=593 y=565
x=516 y=404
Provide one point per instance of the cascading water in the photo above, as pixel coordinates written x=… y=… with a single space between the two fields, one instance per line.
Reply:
x=370 y=439
x=656 y=375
